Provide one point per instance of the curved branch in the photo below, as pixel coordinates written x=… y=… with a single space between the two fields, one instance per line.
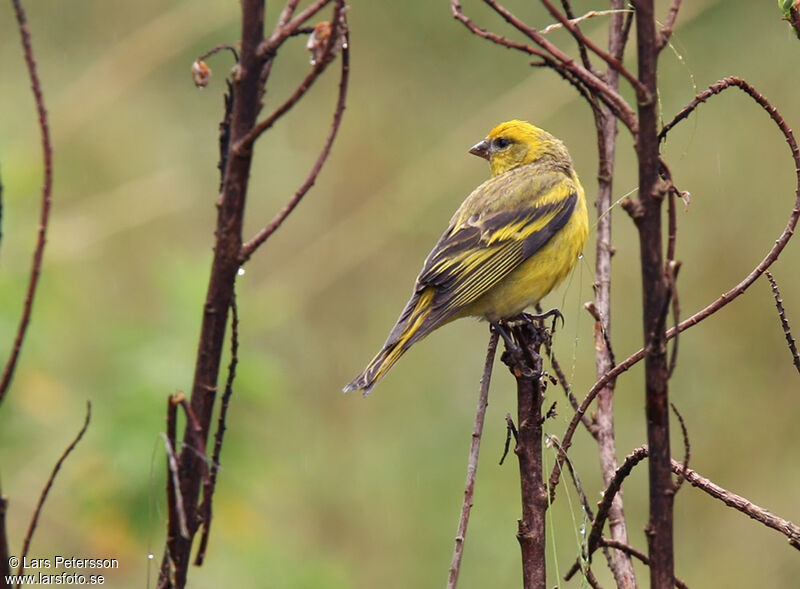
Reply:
x=49 y=485
x=251 y=246
x=726 y=297
x=47 y=149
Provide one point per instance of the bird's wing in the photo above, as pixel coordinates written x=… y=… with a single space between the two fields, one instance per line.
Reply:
x=480 y=249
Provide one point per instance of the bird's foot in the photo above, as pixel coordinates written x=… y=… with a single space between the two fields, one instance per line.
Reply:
x=554 y=313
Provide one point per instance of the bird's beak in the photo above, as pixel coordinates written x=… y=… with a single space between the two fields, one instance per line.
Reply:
x=481 y=149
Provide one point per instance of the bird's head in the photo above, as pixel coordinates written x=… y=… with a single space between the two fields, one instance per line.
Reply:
x=515 y=143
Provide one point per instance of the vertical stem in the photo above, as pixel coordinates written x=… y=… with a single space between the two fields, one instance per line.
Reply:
x=654 y=292
x=621 y=564
x=530 y=396
x=246 y=106
x=472 y=464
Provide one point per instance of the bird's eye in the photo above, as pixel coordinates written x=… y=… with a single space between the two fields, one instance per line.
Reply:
x=501 y=143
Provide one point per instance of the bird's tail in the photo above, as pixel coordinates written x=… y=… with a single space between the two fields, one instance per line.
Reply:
x=410 y=327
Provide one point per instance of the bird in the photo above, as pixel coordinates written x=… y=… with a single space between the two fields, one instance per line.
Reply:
x=513 y=240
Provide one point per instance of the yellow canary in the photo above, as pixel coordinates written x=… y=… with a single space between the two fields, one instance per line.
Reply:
x=509 y=244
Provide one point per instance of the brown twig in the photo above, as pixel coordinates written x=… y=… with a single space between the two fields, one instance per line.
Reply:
x=655 y=298
x=669 y=24
x=49 y=485
x=687 y=448
x=553 y=57
x=641 y=556
x=217 y=49
x=584 y=53
x=176 y=513
x=606 y=130
x=741 y=504
x=251 y=246
x=472 y=463
x=527 y=370
x=784 y=322
x=726 y=297
x=246 y=142
x=612 y=61
x=225 y=264
x=209 y=484
x=47 y=150
x=565 y=385
x=285 y=29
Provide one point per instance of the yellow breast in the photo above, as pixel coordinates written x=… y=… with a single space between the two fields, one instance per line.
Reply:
x=539 y=274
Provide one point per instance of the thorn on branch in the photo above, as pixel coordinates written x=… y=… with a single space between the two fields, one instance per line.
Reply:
x=687 y=449
x=784 y=321
x=47 y=187
x=511 y=429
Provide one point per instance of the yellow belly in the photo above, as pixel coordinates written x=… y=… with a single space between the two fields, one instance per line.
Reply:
x=538 y=275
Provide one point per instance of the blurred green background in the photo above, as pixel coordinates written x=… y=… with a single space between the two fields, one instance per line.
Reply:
x=319 y=489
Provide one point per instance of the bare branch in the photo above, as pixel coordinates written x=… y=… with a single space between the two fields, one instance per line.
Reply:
x=209 y=484
x=641 y=556
x=472 y=464
x=176 y=514
x=47 y=151
x=669 y=24
x=246 y=143
x=726 y=297
x=687 y=448
x=577 y=20
x=43 y=496
x=784 y=322
x=251 y=246
x=587 y=63
x=584 y=41
x=741 y=504
x=553 y=57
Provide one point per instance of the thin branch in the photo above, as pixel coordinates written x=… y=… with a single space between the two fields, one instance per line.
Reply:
x=641 y=91
x=741 y=504
x=587 y=63
x=687 y=448
x=565 y=385
x=47 y=150
x=209 y=484
x=553 y=57
x=283 y=30
x=43 y=496
x=669 y=24
x=246 y=143
x=726 y=297
x=641 y=556
x=472 y=464
x=176 y=514
x=251 y=246
x=784 y=322
x=577 y=20
x=217 y=49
